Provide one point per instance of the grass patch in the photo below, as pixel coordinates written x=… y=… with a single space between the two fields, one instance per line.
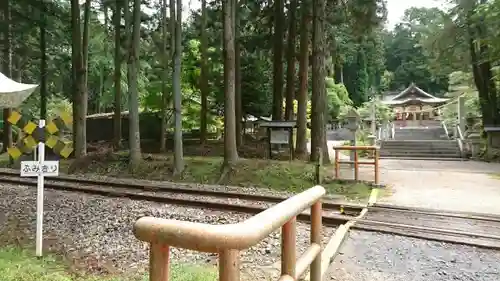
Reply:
x=496 y=176
x=20 y=265
x=294 y=176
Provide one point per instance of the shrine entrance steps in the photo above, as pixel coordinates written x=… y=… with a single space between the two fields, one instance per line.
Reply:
x=420 y=133
x=420 y=143
x=421 y=149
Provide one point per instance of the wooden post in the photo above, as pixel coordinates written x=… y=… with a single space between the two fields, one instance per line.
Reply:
x=229 y=265
x=270 y=145
x=316 y=225
x=337 y=164
x=319 y=165
x=356 y=164
x=376 y=156
x=159 y=256
x=288 y=248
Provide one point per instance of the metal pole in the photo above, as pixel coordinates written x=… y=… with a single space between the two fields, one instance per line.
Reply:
x=43 y=67
x=39 y=195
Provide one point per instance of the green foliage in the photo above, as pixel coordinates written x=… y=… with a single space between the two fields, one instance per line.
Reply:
x=362 y=82
x=464 y=38
x=55 y=106
x=383 y=112
x=347 y=50
x=20 y=265
x=461 y=84
x=337 y=97
x=364 y=66
x=406 y=56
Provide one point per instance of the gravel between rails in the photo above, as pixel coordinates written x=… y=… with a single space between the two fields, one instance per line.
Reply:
x=96 y=231
x=368 y=256
x=192 y=197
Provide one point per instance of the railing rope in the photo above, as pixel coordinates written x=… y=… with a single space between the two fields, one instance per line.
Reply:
x=445 y=129
x=460 y=141
x=229 y=240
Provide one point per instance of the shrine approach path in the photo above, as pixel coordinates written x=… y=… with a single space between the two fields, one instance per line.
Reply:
x=468 y=186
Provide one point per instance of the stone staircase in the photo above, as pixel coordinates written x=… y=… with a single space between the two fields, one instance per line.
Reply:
x=420 y=143
x=431 y=133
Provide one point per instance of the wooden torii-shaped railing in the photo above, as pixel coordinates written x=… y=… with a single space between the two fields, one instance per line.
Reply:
x=229 y=240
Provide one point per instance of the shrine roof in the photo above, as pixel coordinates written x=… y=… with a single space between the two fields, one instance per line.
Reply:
x=422 y=100
x=411 y=93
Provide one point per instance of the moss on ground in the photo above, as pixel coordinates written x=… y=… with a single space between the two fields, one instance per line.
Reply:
x=20 y=265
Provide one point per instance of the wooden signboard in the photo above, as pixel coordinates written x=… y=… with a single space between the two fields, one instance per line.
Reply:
x=280 y=136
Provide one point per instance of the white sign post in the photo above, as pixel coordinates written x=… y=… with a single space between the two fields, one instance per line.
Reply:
x=39 y=169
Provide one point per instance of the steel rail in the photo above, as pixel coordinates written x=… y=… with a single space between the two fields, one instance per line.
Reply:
x=430 y=235
x=121 y=193
x=477 y=239
x=161 y=187
x=119 y=190
x=436 y=212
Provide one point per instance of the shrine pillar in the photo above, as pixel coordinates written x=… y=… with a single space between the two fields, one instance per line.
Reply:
x=403 y=116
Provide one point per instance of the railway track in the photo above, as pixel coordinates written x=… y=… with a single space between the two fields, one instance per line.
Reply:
x=475 y=229
x=193 y=197
x=465 y=228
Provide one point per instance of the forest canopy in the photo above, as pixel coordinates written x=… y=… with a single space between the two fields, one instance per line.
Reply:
x=231 y=59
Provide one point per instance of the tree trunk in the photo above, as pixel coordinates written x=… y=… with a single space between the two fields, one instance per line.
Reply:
x=102 y=75
x=133 y=69
x=290 y=73
x=204 y=73
x=482 y=73
x=164 y=90
x=230 y=148
x=237 y=77
x=85 y=41
x=278 y=60
x=318 y=99
x=81 y=129
x=301 y=150
x=178 y=151
x=7 y=70
x=117 y=117
x=78 y=81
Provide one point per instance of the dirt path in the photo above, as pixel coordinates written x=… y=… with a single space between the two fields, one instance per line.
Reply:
x=448 y=185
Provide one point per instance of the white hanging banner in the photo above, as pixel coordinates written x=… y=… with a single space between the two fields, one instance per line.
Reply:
x=12 y=94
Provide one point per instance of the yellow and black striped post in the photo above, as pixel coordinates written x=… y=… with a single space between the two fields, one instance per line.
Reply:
x=35 y=134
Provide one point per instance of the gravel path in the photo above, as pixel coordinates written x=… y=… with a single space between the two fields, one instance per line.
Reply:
x=96 y=232
x=369 y=256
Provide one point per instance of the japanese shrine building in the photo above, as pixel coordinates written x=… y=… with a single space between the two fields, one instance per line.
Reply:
x=413 y=107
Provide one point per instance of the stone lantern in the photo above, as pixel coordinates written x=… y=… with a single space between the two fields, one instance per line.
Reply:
x=352 y=125
x=474 y=140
